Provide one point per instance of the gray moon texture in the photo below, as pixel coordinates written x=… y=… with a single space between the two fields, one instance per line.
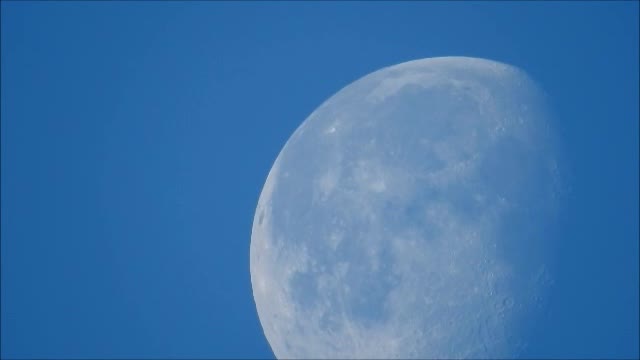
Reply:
x=409 y=217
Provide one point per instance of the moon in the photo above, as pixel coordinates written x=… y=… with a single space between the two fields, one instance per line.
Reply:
x=410 y=216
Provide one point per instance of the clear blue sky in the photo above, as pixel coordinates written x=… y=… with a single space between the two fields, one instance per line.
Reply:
x=136 y=138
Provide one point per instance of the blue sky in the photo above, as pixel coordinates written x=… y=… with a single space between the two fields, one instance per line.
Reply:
x=136 y=138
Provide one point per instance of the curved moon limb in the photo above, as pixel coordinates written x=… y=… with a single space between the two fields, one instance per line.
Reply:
x=406 y=217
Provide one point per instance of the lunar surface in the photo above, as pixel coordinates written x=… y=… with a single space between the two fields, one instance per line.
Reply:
x=409 y=217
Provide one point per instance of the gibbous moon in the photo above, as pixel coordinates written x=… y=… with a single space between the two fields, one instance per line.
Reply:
x=408 y=217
